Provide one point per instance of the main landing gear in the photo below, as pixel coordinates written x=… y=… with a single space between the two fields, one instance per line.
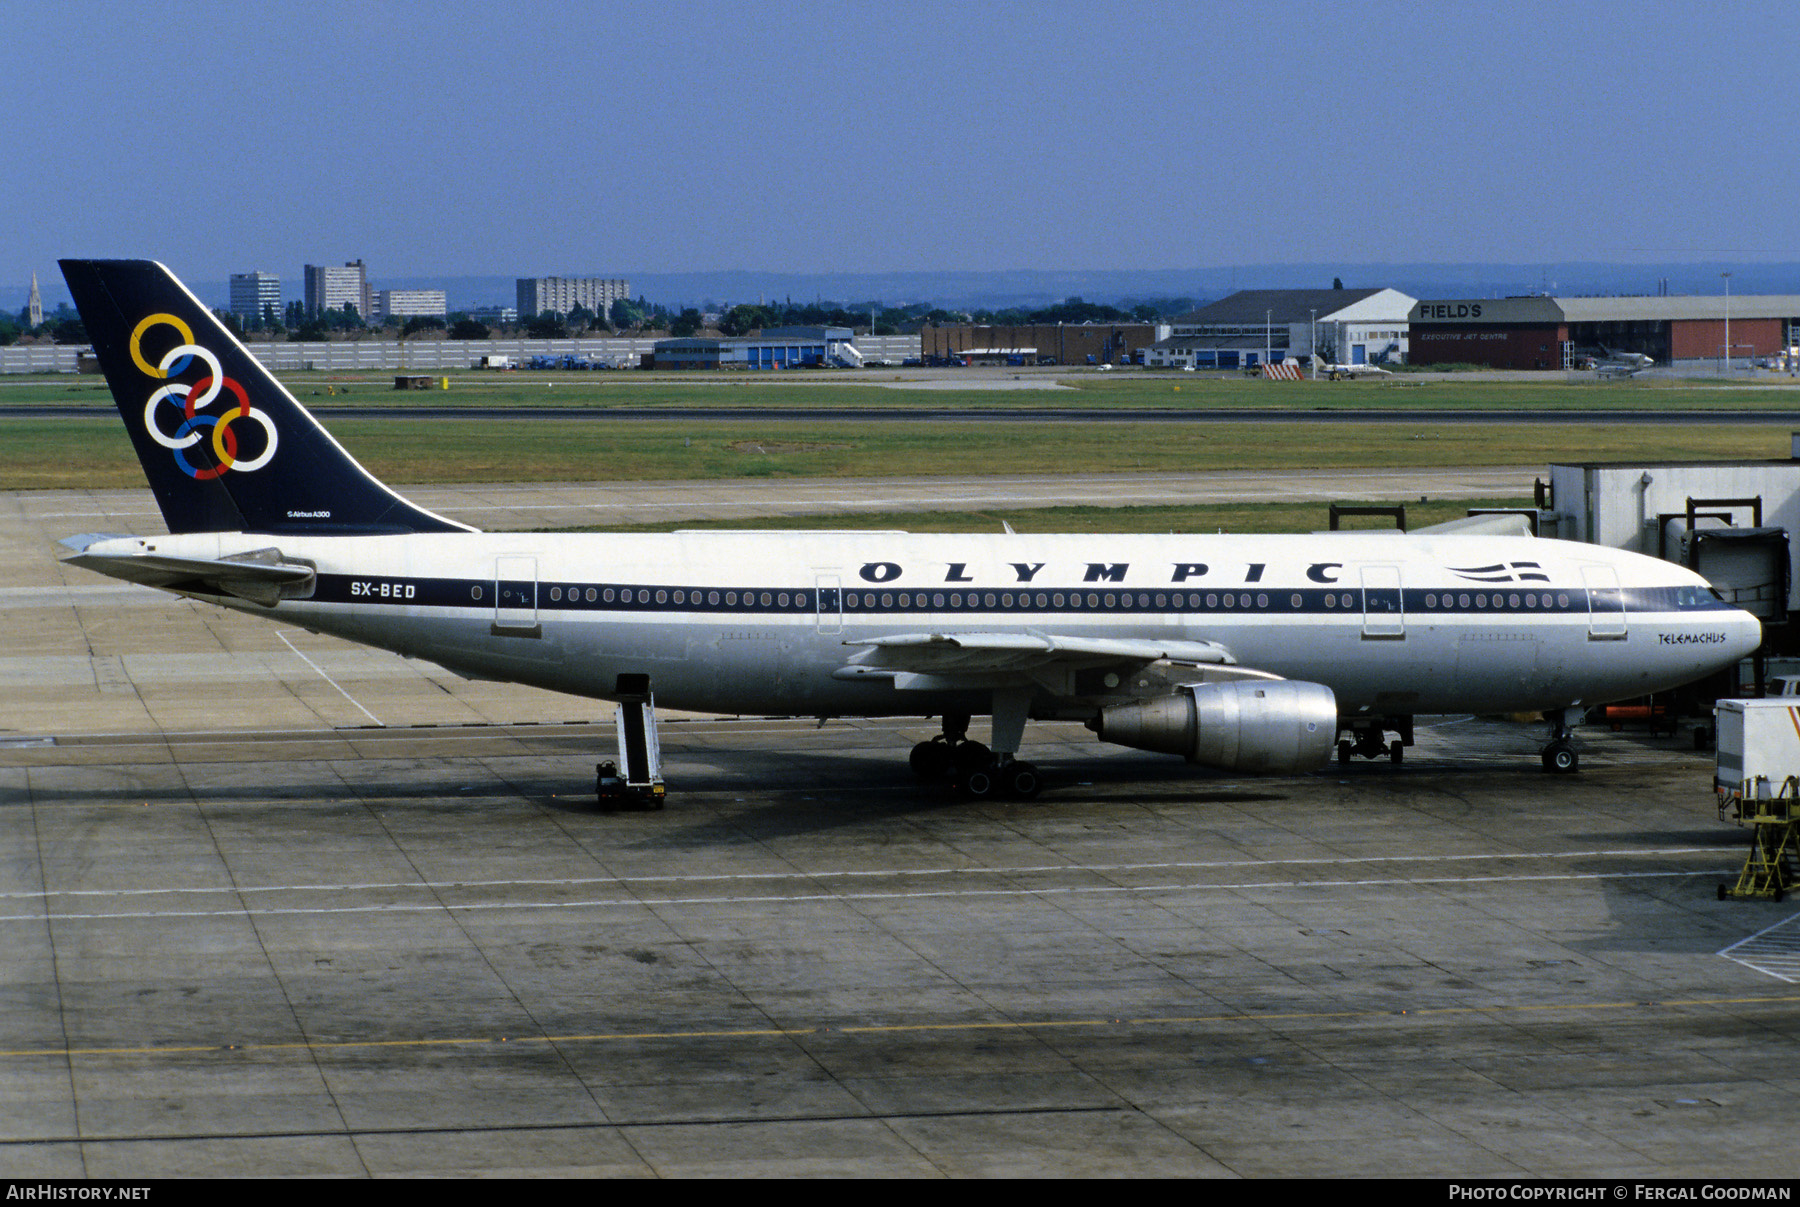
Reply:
x=975 y=770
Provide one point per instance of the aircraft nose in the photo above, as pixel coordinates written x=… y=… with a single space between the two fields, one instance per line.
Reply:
x=1743 y=635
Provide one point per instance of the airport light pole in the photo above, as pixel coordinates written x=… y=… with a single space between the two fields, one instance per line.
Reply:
x=1312 y=343
x=1727 y=278
x=1268 y=336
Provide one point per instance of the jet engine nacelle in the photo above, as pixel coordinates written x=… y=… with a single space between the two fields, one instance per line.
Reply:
x=1269 y=726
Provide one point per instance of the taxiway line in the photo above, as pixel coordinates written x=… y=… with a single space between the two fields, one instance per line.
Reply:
x=815 y=898
x=861 y=873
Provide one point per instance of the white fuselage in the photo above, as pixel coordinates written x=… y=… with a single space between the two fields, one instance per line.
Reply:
x=759 y=621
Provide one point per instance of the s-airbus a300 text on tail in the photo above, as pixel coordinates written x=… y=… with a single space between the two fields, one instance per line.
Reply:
x=1247 y=653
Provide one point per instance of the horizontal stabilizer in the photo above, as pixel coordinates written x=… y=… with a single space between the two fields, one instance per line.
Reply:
x=262 y=576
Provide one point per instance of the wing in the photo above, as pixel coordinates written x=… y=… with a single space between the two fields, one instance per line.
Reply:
x=1063 y=665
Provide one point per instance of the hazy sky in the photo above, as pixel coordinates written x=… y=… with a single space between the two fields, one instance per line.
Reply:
x=534 y=138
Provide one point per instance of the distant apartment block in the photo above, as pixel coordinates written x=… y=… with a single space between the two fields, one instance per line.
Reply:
x=254 y=295
x=328 y=288
x=410 y=303
x=562 y=294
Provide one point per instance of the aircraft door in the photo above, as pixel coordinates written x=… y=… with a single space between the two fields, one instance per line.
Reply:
x=1384 y=614
x=1606 y=603
x=515 y=597
x=829 y=591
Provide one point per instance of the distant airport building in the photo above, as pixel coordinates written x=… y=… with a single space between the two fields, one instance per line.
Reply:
x=254 y=295
x=1039 y=343
x=494 y=314
x=410 y=303
x=542 y=295
x=1553 y=333
x=1344 y=326
x=775 y=348
x=329 y=288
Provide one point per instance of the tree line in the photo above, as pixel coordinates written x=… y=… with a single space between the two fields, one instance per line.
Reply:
x=60 y=326
x=625 y=316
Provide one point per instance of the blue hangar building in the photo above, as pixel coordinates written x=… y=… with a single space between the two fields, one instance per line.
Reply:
x=775 y=348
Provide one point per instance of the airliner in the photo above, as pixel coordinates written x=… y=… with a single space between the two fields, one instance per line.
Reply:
x=1251 y=654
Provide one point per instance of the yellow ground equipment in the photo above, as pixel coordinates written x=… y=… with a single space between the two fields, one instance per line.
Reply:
x=1773 y=813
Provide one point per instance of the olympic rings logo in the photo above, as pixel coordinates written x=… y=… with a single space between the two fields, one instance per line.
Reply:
x=191 y=400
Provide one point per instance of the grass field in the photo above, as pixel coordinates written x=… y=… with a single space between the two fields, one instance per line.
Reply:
x=95 y=453
x=1225 y=517
x=1123 y=391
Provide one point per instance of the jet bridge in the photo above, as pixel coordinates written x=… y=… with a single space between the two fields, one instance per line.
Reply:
x=1728 y=521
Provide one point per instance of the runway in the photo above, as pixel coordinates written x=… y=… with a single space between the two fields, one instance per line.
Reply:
x=272 y=904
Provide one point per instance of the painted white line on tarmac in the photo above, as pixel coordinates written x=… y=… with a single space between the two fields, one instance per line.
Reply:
x=816 y=898
x=290 y=645
x=864 y=873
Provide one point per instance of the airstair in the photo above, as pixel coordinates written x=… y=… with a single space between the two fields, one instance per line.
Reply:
x=635 y=781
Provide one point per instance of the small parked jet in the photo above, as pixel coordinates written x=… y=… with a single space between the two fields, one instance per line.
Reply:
x=1247 y=653
x=1622 y=364
x=1333 y=372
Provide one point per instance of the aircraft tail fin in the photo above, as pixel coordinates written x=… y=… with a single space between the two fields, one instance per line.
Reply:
x=225 y=446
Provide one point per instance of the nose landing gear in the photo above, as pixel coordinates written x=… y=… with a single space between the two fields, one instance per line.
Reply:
x=1559 y=755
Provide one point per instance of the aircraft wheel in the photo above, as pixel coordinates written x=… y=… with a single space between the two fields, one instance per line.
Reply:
x=980 y=784
x=1397 y=752
x=1560 y=757
x=971 y=756
x=1022 y=780
x=931 y=760
x=1345 y=750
